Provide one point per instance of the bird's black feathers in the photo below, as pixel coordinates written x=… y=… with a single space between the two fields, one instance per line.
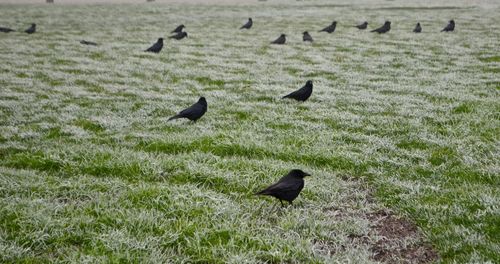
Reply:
x=281 y=40
x=362 y=26
x=450 y=27
x=330 y=28
x=156 y=47
x=301 y=94
x=85 y=42
x=418 y=28
x=307 y=37
x=31 y=29
x=383 y=29
x=193 y=112
x=6 y=30
x=248 y=25
x=288 y=187
x=179 y=36
x=178 y=29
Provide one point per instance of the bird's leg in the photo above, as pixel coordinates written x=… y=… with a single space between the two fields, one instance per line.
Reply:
x=282 y=205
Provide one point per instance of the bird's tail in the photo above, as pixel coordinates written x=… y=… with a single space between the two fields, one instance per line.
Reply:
x=173 y=117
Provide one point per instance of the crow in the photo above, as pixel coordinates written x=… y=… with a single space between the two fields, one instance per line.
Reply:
x=330 y=28
x=303 y=93
x=307 y=37
x=6 y=30
x=84 y=42
x=418 y=28
x=287 y=188
x=31 y=30
x=178 y=29
x=383 y=29
x=179 y=36
x=281 y=40
x=362 y=26
x=248 y=25
x=156 y=47
x=450 y=27
x=193 y=112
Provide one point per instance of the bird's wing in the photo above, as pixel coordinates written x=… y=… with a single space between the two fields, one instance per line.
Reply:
x=296 y=93
x=283 y=186
x=190 y=110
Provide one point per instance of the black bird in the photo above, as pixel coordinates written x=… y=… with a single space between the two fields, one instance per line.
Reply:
x=248 y=25
x=84 y=42
x=450 y=27
x=288 y=187
x=193 y=112
x=179 y=36
x=156 y=47
x=178 y=29
x=303 y=93
x=6 y=30
x=362 y=26
x=383 y=29
x=307 y=37
x=31 y=30
x=418 y=28
x=330 y=28
x=281 y=40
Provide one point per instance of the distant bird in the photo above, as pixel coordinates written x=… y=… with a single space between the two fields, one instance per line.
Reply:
x=156 y=47
x=362 y=26
x=6 y=30
x=179 y=36
x=84 y=42
x=288 y=187
x=281 y=40
x=450 y=27
x=248 y=25
x=178 y=29
x=31 y=30
x=307 y=37
x=303 y=93
x=330 y=28
x=418 y=28
x=193 y=112
x=383 y=29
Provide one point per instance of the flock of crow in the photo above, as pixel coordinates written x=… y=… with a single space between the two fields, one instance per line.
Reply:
x=290 y=185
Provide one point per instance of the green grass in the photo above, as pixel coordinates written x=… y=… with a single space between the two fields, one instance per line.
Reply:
x=91 y=171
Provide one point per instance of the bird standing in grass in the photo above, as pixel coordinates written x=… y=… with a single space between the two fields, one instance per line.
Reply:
x=6 y=30
x=303 y=93
x=330 y=28
x=362 y=26
x=418 y=28
x=178 y=29
x=179 y=36
x=288 y=187
x=156 y=47
x=450 y=27
x=31 y=30
x=281 y=40
x=248 y=25
x=383 y=29
x=90 y=43
x=193 y=112
x=307 y=37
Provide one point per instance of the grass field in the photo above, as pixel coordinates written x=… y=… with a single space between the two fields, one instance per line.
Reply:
x=90 y=171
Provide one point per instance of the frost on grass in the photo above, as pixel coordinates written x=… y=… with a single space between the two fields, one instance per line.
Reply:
x=90 y=171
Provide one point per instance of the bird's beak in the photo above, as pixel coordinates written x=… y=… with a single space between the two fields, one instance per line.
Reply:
x=307 y=174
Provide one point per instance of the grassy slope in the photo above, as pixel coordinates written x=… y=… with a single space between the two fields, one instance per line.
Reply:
x=91 y=171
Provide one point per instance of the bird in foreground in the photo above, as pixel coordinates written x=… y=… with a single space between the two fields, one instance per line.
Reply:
x=281 y=40
x=178 y=29
x=418 y=28
x=6 y=30
x=450 y=27
x=330 y=28
x=383 y=29
x=248 y=25
x=303 y=93
x=31 y=30
x=307 y=37
x=288 y=187
x=362 y=26
x=156 y=47
x=179 y=36
x=85 y=42
x=193 y=112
